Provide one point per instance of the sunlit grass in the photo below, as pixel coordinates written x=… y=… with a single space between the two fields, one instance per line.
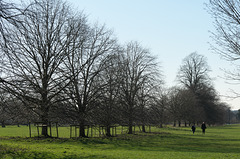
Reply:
x=63 y=132
x=218 y=142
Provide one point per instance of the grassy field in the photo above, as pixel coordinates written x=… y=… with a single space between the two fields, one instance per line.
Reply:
x=218 y=142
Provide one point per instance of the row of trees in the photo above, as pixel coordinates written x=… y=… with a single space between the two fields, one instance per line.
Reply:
x=55 y=66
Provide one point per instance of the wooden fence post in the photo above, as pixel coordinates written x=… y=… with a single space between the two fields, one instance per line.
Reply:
x=57 y=129
x=30 y=133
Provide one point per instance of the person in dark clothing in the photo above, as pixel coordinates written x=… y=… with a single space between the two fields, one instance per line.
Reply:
x=193 y=128
x=203 y=127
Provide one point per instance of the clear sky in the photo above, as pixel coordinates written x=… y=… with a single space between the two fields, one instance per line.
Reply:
x=171 y=29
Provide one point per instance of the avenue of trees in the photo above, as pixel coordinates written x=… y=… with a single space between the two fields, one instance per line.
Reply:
x=57 y=67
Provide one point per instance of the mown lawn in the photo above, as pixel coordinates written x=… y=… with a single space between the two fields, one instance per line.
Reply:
x=218 y=142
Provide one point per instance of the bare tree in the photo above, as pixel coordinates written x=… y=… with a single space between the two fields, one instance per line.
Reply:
x=139 y=67
x=106 y=111
x=32 y=67
x=193 y=73
x=177 y=105
x=183 y=106
x=226 y=36
x=159 y=102
x=148 y=96
x=84 y=63
x=142 y=105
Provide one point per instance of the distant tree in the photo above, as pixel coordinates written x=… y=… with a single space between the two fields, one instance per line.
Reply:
x=207 y=98
x=224 y=114
x=238 y=115
x=226 y=36
x=193 y=73
x=193 y=76
x=173 y=106
x=191 y=112
x=12 y=110
x=4 y=109
x=183 y=106
x=158 y=110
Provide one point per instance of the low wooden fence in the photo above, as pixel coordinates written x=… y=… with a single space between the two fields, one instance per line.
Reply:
x=35 y=130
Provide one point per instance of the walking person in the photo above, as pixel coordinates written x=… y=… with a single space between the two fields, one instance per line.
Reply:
x=193 y=128
x=203 y=127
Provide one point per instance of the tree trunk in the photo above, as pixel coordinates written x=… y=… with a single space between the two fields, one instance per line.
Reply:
x=3 y=124
x=174 y=124
x=45 y=130
x=81 y=121
x=179 y=123
x=45 y=127
x=45 y=108
x=143 y=128
x=45 y=123
x=161 y=125
x=108 y=131
x=130 y=124
x=82 y=129
x=130 y=129
x=82 y=125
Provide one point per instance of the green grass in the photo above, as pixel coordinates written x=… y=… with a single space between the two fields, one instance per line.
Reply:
x=180 y=143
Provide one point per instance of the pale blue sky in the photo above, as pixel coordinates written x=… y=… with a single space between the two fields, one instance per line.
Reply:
x=171 y=29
